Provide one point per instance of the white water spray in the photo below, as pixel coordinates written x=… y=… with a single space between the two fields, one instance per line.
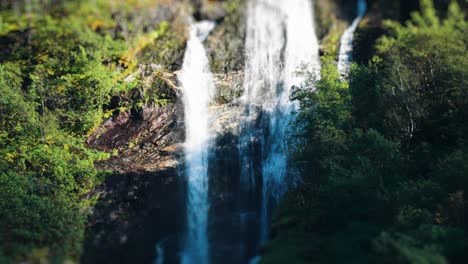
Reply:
x=346 y=48
x=280 y=41
x=198 y=89
x=159 y=254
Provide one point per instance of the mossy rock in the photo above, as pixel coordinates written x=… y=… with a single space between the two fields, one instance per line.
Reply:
x=225 y=46
x=168 y=48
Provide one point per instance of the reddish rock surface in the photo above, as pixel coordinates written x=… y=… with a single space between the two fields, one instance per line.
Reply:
x=141 y=141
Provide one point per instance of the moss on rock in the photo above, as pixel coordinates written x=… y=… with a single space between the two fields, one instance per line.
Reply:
x=225 y=46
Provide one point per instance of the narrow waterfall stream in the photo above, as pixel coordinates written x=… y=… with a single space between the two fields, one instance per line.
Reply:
x=346 y=48
x=280 y=41
x=232 y=190
x=198 y=89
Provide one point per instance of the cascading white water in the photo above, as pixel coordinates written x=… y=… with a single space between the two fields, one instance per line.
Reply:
x=346 y=48
x=264 y=45
x=280 y=41
x=198 y=89
x=302 y=49
x=159 y=254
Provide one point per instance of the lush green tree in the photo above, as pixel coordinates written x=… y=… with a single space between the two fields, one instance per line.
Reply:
x=382 y=158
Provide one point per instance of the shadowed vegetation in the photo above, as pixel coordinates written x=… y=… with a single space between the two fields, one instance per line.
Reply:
x=382 y=155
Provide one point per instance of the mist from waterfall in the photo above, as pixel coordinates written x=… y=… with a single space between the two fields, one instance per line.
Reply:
x=198 y=89
x=280 y=42
x=346 y=47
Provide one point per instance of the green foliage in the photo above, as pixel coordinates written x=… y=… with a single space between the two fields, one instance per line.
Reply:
x=44 y=172
x=420 y=69
x=17 y=114
x=325 y=117
x=383 y=158
x=58 y=69
x=60 y=63
x=41 y=186
x=31 y=218
x=168 y=46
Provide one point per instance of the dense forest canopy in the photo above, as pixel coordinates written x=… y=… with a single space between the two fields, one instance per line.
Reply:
x=382 y=156
x=60 y=63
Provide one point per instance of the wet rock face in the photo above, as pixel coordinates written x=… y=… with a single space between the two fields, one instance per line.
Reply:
x=225 y=46
x=229 y=86
x=145 y=188
x=146 y=141
x=225 y=49
x=212 y=9
x=134 y=212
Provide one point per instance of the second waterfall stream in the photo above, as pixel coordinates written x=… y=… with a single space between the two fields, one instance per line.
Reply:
x=198 y=89
x=346 y=46
x=280 y=42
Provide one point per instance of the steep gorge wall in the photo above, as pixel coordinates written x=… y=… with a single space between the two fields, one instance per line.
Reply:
x=145 y=130
x=149 y=114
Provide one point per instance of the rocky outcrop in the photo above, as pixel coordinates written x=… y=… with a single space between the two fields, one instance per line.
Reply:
x=134 y=212
x=225 y=46
x=229 y=86
x=225 y=49
x=145 y=135
x=146 y=130
x=144 y=141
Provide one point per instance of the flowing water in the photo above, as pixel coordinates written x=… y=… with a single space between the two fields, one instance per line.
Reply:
x=198 y=89
x=346 y=48
x=233 y=182
x=280 y=42
x=159 y=254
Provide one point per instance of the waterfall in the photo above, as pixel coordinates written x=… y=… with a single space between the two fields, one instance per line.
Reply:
x=159 y=254
x=198 y=89
x=346 y=48
x=280 y=41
